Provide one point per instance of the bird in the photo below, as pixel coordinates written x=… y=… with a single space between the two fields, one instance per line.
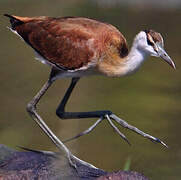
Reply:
x=75 y=47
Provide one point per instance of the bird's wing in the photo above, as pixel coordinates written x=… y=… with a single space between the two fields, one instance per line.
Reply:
x=70 y=43
x=64 y=43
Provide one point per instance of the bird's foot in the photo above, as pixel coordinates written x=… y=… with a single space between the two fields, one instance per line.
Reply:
x=133 y=128
x=123 y=123
x=70 y=160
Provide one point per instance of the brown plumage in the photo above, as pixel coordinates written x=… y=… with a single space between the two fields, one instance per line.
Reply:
x=70 y=42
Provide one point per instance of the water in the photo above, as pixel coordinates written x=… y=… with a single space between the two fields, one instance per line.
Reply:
x=149 y=100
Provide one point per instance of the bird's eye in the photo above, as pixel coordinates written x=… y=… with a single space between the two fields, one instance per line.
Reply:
x=149 y=42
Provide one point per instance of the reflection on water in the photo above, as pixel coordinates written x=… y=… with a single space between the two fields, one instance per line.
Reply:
x=150 y=99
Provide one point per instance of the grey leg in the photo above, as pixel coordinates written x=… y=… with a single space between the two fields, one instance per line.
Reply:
x=31 y=108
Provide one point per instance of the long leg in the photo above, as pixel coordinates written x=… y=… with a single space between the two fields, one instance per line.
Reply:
x=31 y=108
x=97 y=114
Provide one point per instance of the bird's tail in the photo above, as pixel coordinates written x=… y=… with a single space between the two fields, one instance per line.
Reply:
x=14 y=20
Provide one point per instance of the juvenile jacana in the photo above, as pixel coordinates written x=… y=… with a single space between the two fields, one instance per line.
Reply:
x=75 y=47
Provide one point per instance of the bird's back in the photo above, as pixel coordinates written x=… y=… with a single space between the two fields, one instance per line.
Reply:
x=70 y=42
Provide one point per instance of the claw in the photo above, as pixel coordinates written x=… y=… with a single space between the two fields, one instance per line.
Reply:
x=161 y=142
x=165 y=145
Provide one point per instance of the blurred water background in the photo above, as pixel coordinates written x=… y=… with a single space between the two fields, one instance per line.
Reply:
x=150 y=99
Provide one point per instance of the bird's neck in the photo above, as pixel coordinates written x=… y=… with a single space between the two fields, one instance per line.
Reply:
x=116 y=66
x=134 y=59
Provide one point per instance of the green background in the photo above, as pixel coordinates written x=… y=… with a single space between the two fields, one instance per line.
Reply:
x=149 y=99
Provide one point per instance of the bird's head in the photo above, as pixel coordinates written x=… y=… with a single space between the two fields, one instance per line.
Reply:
x=151 y=43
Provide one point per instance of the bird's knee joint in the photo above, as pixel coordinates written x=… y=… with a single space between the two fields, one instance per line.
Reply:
x=60 y=114
x=30 y=107
x=109 y=113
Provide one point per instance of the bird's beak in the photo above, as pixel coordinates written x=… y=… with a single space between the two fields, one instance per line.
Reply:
x=162 y=53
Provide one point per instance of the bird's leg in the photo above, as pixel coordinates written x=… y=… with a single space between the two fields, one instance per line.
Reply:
x=31 y=108
x=100 y=114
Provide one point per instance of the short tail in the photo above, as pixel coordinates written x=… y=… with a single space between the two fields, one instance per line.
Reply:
x=14 y=21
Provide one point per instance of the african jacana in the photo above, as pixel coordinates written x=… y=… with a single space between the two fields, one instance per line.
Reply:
x=75 y=47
